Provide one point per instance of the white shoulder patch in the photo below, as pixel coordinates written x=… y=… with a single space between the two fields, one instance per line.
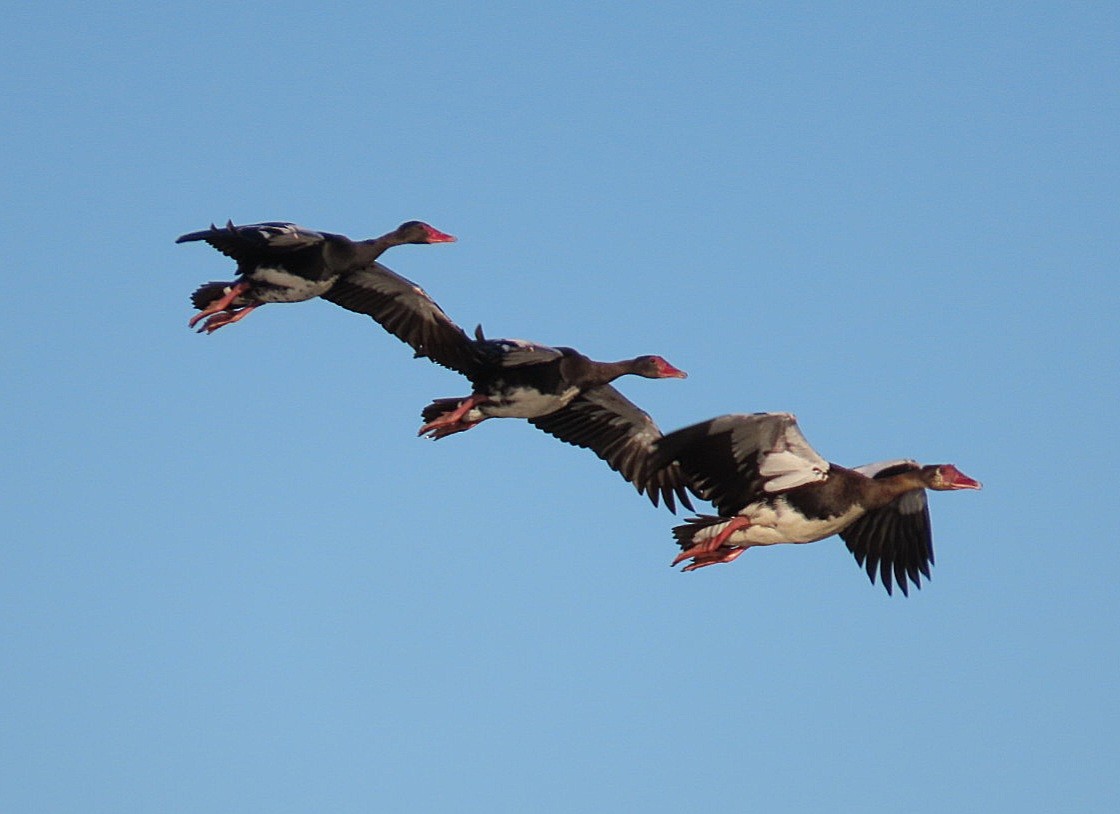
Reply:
x=791 y=462
x=288 y=234
x=518 y=352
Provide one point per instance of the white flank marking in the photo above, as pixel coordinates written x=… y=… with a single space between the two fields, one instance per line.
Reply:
x=524 y=402
x=289 y=287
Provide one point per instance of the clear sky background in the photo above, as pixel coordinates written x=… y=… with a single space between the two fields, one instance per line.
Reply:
x=233 y=579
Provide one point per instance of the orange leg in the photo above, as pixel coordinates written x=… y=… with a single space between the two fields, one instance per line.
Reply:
x=705 y=548
x=452 y=422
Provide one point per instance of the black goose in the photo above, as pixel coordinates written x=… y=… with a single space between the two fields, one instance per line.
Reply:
x=513 y=378
x=283 y=262
x=558 y=389
x=770 y=487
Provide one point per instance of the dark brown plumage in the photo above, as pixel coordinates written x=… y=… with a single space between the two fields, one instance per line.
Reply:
x=283 y=262
x=558 y=389
x=769 y=486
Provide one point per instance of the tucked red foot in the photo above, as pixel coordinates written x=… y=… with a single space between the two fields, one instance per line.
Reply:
x=220 y=304
x=441 y=432
x=225 y=318
x=724 y=554
x=705 y=548
x=452 y=422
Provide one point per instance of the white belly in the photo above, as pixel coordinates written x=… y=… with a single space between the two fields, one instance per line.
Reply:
x=776 y=522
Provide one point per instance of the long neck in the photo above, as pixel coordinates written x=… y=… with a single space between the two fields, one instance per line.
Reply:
x=578 y=369
x=878 y=492
x=341 y=252
x=375 y=247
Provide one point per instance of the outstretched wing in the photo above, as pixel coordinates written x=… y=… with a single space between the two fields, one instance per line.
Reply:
x=896 y=540
x=734 y=460
x=250 y=241
x=619 y=432
x=406 y=311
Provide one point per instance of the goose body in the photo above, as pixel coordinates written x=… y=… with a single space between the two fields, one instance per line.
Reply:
x=771 y=487
x=284 y=262
x=520 y=379
x=559 y=390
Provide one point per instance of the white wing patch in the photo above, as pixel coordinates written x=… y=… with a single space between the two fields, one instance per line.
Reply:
x=791 y=462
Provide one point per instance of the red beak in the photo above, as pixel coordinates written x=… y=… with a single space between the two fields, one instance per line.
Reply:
x=436 y=236
x=667 y=371
x=957 y=479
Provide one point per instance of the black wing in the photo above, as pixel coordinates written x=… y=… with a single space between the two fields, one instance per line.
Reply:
x=734 y=460
x=406 y=311
x=510 y=353
x=896 y=540
x=619 y=432
x=248 y=242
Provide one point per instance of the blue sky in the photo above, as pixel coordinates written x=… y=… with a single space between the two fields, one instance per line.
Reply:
x=234 y=579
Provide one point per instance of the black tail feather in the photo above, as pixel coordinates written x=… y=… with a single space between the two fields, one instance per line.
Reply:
x=208 y=293
x=685 y=533
x=439 y=407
